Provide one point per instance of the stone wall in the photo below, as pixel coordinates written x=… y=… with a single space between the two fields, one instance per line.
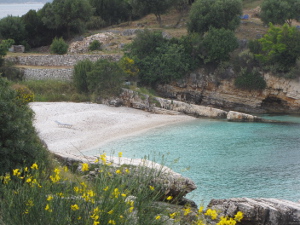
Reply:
x=57 y=60
x=48 y=74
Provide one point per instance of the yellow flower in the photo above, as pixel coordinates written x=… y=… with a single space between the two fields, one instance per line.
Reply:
x=103 y=158
x=26 y=169
x=5 y=178
x=169 y=198
x=111 y=212
x=56 y=171
x=34 y=166
x=158 y=217
x=127 y=170
x=85 y=167
x=16 y=172
x=77 y=189
x=105 y=189
x=96 y=223
x=151 y=188
x=112 y=222
x=116 y=193
x=96 y=161
x=172 y=215
x=123 y=195
x=47 y=208
x=79 y=218
x=74 y=207
x=28 y=180
x=187 y=211
x=201 y=209
x=131 y=209
x=212 y=213
x=120 y=154
x=65 y=168
x=49 y=198
x=118 y=172
x=239 y=216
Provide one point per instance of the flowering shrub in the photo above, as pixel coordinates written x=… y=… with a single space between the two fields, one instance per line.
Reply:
x=34 y=195
x=24 y=94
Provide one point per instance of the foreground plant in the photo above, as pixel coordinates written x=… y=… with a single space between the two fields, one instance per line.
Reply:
x=116 y=195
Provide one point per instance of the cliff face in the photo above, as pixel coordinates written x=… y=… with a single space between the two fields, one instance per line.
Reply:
x=280 y=96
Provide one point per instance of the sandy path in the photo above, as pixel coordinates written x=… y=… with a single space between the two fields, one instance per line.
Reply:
x=93 y=124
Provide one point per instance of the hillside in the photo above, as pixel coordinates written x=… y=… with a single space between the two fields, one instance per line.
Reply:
x=23 y=1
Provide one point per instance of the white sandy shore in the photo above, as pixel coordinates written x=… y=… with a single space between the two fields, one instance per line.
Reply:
x=93 y=125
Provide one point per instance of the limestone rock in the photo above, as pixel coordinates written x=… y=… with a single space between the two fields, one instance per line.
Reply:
x=242 y=117
x=260 y=211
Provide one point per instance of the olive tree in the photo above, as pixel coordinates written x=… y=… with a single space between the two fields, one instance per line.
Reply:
x=280 y=12
x=217 y=14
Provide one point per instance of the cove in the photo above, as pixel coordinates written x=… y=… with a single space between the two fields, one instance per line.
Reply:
x=224 y=159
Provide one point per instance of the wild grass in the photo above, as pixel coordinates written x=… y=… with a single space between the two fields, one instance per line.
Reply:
x=54 y=90
x=112 y=195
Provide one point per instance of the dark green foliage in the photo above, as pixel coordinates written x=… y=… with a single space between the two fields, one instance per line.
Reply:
x=12 y=27
x=255 y=46
x=95 y=45
x=4 y=46
x=158 y=59
x=105 y=78
x=218 y=14
x=37 y=33
x=217 y=44
x=59 y=46
x=280 y=12
x=280 y=47
x=95 y=22
x=80 y=75
x=19 y=144
x=11 y=72
x=111 y=11
x=250 y=80
x=66 y=16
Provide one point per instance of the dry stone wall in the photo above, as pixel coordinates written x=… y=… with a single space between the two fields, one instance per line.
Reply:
x=48 y=74
x=57 y=60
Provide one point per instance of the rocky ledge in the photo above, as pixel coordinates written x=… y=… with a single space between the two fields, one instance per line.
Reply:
x=259 y=211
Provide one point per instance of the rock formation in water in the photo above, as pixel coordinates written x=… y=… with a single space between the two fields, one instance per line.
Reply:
x=259 y=211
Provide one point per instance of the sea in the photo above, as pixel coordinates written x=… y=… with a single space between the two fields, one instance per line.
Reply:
x=224 y=159
x=18 y=9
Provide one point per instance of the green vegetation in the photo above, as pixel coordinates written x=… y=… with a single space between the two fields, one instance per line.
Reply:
x=95 y=45
x=280 y=12
x=252 y=80
x=19 y=144
x=206 y=13
x=279 y=48
x=102 y=78
x=59 y=46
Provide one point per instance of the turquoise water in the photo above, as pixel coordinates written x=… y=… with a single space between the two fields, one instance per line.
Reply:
x=18 y=9
x=225 y=159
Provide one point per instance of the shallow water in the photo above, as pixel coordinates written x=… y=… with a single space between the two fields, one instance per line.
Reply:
x=225 y=159
x=18 y=9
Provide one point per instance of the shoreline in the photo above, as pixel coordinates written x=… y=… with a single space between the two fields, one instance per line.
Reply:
x=93 y=125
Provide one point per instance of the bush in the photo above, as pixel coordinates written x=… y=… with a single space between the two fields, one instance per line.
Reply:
x=24 y=94
x=207 y=13
x=59 y=46
x=250 y=80
x=95 y=45
x=9 y=71
x=105 y=78
x=95 y=22
x=217 y=44
x=80 y=75
x=19 y=144
x=12 y=27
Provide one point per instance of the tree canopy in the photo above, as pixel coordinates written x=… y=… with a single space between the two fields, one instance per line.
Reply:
x=218 y=14
x=67 y=15
x=12 y=27
x=280 y=12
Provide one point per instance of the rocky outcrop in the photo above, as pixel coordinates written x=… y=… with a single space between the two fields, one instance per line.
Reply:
x=280 y=96
x=161 y=177
x=242 y=117
x=260 y=211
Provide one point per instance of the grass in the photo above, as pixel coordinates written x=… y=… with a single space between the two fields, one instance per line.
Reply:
x=53 y=91
x=114 y=195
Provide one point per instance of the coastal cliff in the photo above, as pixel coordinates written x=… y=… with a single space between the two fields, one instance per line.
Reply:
x=280 y=96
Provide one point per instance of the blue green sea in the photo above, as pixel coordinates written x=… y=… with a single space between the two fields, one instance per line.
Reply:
x=224 y=159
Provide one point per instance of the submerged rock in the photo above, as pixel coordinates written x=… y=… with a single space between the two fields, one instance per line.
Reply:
x=259 y=211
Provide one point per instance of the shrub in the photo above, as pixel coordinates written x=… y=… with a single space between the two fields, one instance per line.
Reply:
x=59 y=46
x=9 y=71
x=95 y=22
x=24 y=94
x=80 y=75
x=250 y=80
x=95 y=45
x=217 y=44
x=19 y=144
x=129 y=67
x=105 y=78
